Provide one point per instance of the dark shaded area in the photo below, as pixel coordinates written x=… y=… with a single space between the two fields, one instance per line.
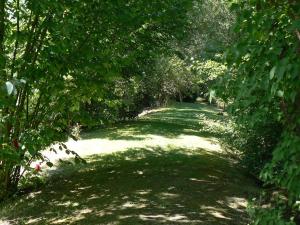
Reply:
x=141 y=186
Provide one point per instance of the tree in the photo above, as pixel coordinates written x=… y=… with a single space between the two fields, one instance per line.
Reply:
x=56 y=55
x=189 y=66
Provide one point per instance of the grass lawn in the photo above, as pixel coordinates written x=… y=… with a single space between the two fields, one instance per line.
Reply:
x=165 y=168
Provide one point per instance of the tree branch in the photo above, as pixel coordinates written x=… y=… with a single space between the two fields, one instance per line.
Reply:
x=17 y=40
x=2 y=34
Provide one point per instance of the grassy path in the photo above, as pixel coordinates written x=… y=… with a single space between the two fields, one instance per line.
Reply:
x=165 y=168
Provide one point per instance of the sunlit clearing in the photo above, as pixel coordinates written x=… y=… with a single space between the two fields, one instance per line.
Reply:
x=106 y=146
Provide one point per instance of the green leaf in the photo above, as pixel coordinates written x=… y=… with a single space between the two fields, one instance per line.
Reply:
x=9 y=87
x=280 y=93
x=64 y=145
x=272 y=72
x=50 y=164
x=281 y=72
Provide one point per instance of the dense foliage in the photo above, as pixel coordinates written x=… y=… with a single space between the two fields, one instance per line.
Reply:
x=59 y=56
x=263 y=87
x=91 y=63
x=190 y=69
x=187 y=66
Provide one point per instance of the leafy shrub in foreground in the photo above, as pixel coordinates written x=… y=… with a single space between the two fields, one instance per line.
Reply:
x=263 y=85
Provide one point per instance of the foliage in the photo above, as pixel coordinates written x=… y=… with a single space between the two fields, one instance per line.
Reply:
x=58 y=55
x=264 y=89
x=189 y=66
x=253 y=145
x=210 y=30
x=209 y=34
x=208 y=73
x=172 y=79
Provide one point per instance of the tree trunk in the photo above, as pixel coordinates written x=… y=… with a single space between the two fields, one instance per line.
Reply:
x=180 y=96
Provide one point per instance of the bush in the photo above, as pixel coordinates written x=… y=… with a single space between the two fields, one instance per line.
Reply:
x=263 y=87
x=255 y=144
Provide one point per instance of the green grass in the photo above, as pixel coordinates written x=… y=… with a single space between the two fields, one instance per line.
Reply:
x=161 y=177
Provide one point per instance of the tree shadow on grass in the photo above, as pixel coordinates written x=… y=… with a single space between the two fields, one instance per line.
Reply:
x=147 y=185
x=178 y=119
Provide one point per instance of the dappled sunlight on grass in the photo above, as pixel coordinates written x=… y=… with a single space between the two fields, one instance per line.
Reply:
x=158 y=185
x=183 y=125
x=150 y=171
